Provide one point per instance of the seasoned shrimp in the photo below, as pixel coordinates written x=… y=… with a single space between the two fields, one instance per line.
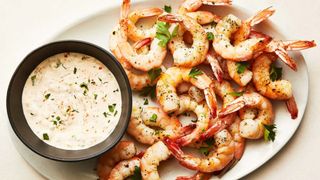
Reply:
x=202 y=113
x=197 y=176
x=196 y=94
x=215 y=66
x=168 y=81
x=193 y=5
x=124 y=169
x=136 y=34
x=145 y=61
x=141 y=119
x=252 y=128
x=151 y=159
x=183 y=55
x=122 y=151
x=241 y=52
x=204 y=17
x=215 y=161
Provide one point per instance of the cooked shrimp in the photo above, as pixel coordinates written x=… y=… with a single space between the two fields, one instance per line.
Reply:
x=239 y=141
x=204 y=17
x=136 y=34
x=241 y=52
x=196 y=94
x=215 y=161
x=143 y=62
x=193 y=5
x=251 y=128
x=241 y=78
x=197 y=176
x=124 y=169
x=122 y=151
x=151 y=159
x=215 y=66
x=182 y=54
x=142 y=121
x=202 y=113
x=169 y=80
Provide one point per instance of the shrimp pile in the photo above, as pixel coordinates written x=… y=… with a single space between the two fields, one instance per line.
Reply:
x=222 y=71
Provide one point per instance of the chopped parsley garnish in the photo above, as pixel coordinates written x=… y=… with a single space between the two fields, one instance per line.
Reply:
x=112 y=107
x=204 y=150
x=195 y=72
x=106 y=114
x=146 y=101
x=241 y=67
x=163 y=33
x=194 y=120
x=275 y=72
x=115 y=113
x=136 y=174
x=236 y=94
x=33 y=79
x=210 y=36
x=95 y=96
x=45 y=136
x=85 y=87
x=154 y=73
x=269 y=132
x=31 y=114
x=209 y=141
x=47 y=96
x=153 y=118
x=74 y=70
x=168 y=9
x=58 y=64
x=149 y=90
x=58 y=118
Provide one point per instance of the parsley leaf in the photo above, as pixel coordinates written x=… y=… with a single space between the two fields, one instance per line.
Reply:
x=149 y=90
x=204 y=150
x=210 y=36
x=33 y=79
x=242 y=66
x=45 y=136
x=136 y=174
x=195 y=72
x=95 y=96
x=210 y=141
x=146 y=101
x=153 y=118
x=275 y=72
x=175 y=31
x=85 y=86
x=106 y=114
x=269 y=132
x=168 y=9
x=154 y=73
x=112 y=107
x=74 y=70
x=236 y=94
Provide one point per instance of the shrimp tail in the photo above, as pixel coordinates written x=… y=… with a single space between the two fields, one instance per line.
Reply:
x=284 y=56
x=170 y=18
x=174 y=148
x=219 y=125
x=188 y=129
x=211 y=101
x=261 y=16
x=141 y=43
x=298 y=45
x=140 y=154
x=215 y=66
x=233 y=107
x=125 y=9
x=292 y=107
x=230 y=165
x=149 y=12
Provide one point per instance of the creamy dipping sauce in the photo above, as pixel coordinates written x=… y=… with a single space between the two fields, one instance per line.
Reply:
x=72 y=101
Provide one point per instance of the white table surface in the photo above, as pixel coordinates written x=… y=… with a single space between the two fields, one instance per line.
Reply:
x=25 y=25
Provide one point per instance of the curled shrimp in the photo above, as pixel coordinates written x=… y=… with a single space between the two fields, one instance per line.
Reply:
x=169 y=80
x=122 y=151
x=251 y=128
x=136 y=34
x=197 y=176
x=142 y=121
x=215 y=161
x=243 y=51
x=193 y=5
x=151 y=159
x=124 y=169
x=204 y=17
x=183 y=55
x=202 y=113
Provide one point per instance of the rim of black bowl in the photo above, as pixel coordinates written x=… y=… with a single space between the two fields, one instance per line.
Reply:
x=15 y=110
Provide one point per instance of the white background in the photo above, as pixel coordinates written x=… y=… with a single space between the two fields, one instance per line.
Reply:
x=25 y=25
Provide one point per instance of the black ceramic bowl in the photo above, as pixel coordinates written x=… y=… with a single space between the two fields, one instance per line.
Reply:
x=15 y=110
